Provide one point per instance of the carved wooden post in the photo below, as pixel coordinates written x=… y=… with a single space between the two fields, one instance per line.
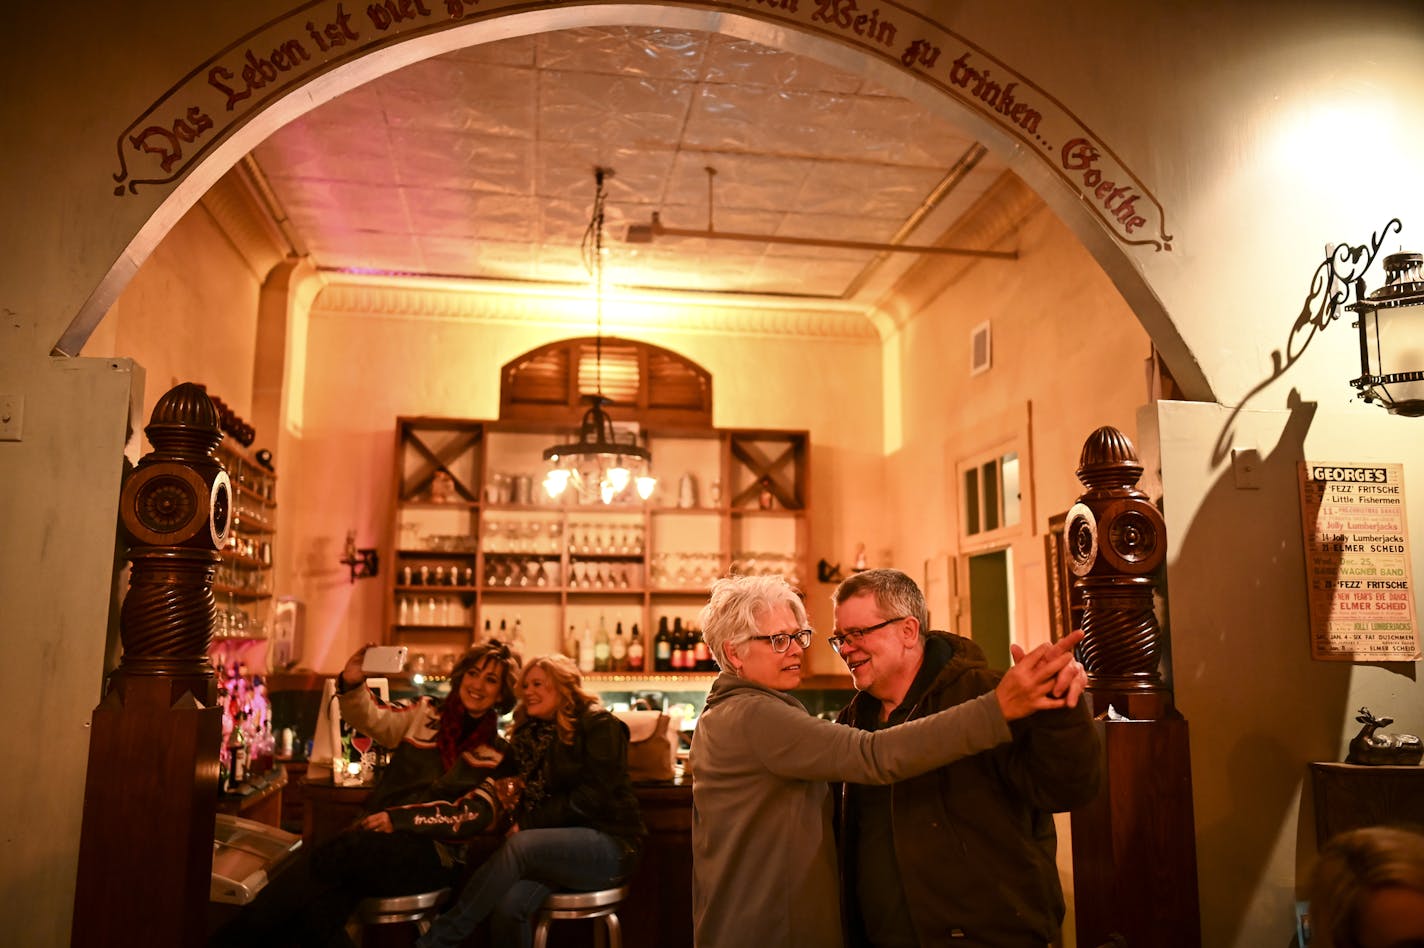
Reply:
x=1134 y=847
x=150 y=798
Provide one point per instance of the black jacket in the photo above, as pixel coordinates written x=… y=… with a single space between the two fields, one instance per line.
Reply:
x=586 y=784
x=974 y=841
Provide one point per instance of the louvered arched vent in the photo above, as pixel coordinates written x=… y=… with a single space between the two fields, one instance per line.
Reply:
x=647 y=384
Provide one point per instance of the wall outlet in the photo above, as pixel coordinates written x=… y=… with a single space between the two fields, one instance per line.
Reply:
x=12 y=413
x=1246 y=468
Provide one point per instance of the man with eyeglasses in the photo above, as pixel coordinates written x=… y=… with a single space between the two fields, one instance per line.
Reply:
x=964 y=855
x=763 y=850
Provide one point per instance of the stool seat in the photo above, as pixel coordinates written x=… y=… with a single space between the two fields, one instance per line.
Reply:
x=377 y=914
x=600 y=904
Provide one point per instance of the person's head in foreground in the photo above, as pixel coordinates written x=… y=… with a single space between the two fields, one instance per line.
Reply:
x=1367 y=890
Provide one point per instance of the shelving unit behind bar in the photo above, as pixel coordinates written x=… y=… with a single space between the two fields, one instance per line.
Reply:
x=477 y=541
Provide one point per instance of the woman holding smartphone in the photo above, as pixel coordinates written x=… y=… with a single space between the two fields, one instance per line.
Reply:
x=440 y=751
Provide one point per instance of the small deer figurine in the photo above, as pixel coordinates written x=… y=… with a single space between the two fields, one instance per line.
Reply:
x=1367 y=747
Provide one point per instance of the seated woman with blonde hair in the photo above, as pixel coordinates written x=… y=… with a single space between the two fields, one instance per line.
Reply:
x=564 y=791
x=1367 y=890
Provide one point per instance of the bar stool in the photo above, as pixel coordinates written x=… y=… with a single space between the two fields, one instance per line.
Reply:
x=601 y=904
x=376 y=914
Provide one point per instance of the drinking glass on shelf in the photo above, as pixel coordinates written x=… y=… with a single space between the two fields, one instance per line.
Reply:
x=556 y=533
x=541 y=576
x=534 y=529
x=580 y=571
x=603 y=569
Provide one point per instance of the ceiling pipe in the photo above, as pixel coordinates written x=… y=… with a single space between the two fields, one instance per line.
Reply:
x=647 y=233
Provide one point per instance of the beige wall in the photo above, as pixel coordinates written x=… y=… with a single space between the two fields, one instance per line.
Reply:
x=1067 y=358
x=366 y=368
x=188 y=315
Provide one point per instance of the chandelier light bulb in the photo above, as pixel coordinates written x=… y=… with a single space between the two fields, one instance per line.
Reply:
x=618 y=477
x=606 y=491
x=646 y=483
x=555 y=481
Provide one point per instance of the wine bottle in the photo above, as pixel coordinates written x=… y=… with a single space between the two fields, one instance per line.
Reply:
x=662 y=647
x=679 y=646
x=571 y=644
x=602 y=648
x=701 y=654
x=586 y=650
x=635 y=650
x=618 y=649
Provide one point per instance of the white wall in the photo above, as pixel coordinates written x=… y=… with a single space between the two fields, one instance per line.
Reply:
x=1258 y=706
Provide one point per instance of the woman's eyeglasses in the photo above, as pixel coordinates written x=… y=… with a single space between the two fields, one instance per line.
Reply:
x=781 y=641
x=853 y=636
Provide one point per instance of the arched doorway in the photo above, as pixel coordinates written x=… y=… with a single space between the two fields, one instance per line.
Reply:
x=1079 y=175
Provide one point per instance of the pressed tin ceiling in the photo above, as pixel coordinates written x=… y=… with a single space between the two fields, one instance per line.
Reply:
x=479 y=163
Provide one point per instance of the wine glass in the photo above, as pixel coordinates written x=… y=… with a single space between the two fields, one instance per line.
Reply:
x=362 y=744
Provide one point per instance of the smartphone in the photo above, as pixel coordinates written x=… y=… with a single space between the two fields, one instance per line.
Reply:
x=384 y=660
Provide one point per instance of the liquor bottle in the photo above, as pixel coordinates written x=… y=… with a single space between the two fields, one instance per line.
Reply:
x=516 y=638
x=680 y=654
x=503 y=632
x=701 y=654
x=237 y=754
x=635 y=650
x=618 y=649
x=601 y=648
x=571 y=644
x=586 y=650
x=662 y=648
x=489 y=633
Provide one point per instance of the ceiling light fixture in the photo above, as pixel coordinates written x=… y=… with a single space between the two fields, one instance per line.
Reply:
x=647 y=233
x=601 y=462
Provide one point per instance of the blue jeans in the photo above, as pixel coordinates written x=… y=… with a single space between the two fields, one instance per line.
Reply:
x=513 y=883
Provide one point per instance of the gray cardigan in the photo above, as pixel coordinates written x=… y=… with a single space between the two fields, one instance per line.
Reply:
x=763 y=854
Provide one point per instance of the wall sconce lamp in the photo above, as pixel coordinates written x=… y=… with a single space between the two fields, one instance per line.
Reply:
x=1391 y=325
x=364 y=563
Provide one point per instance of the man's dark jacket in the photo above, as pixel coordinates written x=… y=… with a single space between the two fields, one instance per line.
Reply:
x=974 y=840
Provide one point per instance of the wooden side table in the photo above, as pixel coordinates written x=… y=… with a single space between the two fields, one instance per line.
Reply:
x=1348 y=796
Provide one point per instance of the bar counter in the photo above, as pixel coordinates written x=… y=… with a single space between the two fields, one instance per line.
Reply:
x=658 y=913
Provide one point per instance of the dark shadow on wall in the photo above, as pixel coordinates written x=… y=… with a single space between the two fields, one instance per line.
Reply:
x=1259 y=708
x=1344 y=267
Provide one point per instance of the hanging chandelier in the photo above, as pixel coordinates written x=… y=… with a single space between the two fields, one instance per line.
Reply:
x=600 y=463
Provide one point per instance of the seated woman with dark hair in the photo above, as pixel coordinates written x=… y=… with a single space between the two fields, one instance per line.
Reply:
x=441 y=749
x=575 y=824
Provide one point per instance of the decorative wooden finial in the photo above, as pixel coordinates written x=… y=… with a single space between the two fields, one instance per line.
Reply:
x=176 y=510
x=1116 y=539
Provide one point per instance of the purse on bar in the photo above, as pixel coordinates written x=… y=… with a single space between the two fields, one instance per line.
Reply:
x=650 y=745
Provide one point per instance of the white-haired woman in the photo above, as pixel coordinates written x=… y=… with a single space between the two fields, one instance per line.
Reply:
x=764 y=858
